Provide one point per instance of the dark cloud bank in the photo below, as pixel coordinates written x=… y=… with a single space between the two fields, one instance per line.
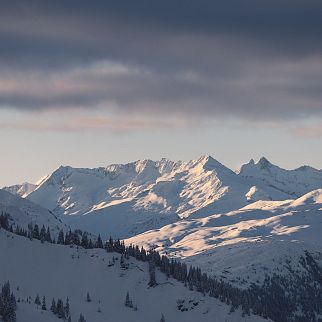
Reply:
x=246 y=59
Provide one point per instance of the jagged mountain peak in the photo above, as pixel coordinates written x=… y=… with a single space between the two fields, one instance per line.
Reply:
x=207 y=160
x=263 y=163
x=208 y=163
x=58 y=174
x=293 y=183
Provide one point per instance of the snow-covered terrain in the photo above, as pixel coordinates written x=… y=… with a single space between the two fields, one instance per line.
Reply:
x=243 y=245
x=150 y=194
x=24 y=212
x=59 y=271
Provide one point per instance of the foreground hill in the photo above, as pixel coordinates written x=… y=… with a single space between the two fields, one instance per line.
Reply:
x=59 y=271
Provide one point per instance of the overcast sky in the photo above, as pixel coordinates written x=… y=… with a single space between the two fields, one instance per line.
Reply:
x=88 y=83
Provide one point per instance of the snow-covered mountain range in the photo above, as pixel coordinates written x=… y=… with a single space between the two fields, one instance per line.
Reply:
x=254 y=228
x=149 y=194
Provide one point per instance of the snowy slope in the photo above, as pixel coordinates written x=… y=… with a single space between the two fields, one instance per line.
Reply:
x=245 y=243
x=146 y=194
x=60 y=271
x=295 y=183
x=23 y=212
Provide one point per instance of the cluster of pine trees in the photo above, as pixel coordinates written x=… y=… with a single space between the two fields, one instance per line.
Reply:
x=76 y=237
x=61 y=310
x=33 y=231
x=8 y=305
x=278 y=298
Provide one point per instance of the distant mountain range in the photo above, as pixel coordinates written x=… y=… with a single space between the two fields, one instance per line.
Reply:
x=149 y=194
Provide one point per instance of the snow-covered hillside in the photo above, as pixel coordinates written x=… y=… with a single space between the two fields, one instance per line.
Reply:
x=59 y=271
x=244 y=245
x=24 y=212
x=150 y=194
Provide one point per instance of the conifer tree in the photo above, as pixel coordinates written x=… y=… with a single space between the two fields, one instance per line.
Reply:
x=128 y=301
x=84 y=241
x=67 y=308
x=13 y=302
x=8 y=304
x=44 y=307
x=99 y=243
x=43 y=234
x=152 y=281
x=37 y=300
x=53 y=307
x=61 y=238
x=35 y=233
x=60 y=309
x=48 y=237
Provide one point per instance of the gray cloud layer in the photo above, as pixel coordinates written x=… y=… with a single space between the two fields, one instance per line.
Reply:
x=245 y=59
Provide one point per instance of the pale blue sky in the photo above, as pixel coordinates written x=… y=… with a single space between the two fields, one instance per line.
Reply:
x=28 y=154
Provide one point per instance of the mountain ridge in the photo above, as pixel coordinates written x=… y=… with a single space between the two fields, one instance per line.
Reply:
x=153 y=193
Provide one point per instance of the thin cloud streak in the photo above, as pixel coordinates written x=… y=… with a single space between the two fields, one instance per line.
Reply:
x=93 y=123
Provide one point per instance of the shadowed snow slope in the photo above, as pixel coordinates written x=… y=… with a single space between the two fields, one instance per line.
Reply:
x=60 y=271
x=150 y=194
x=244 y=243
x=23 y=212
x=22 y=190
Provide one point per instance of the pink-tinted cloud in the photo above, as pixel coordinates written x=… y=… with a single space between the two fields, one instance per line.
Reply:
x=314 y=131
